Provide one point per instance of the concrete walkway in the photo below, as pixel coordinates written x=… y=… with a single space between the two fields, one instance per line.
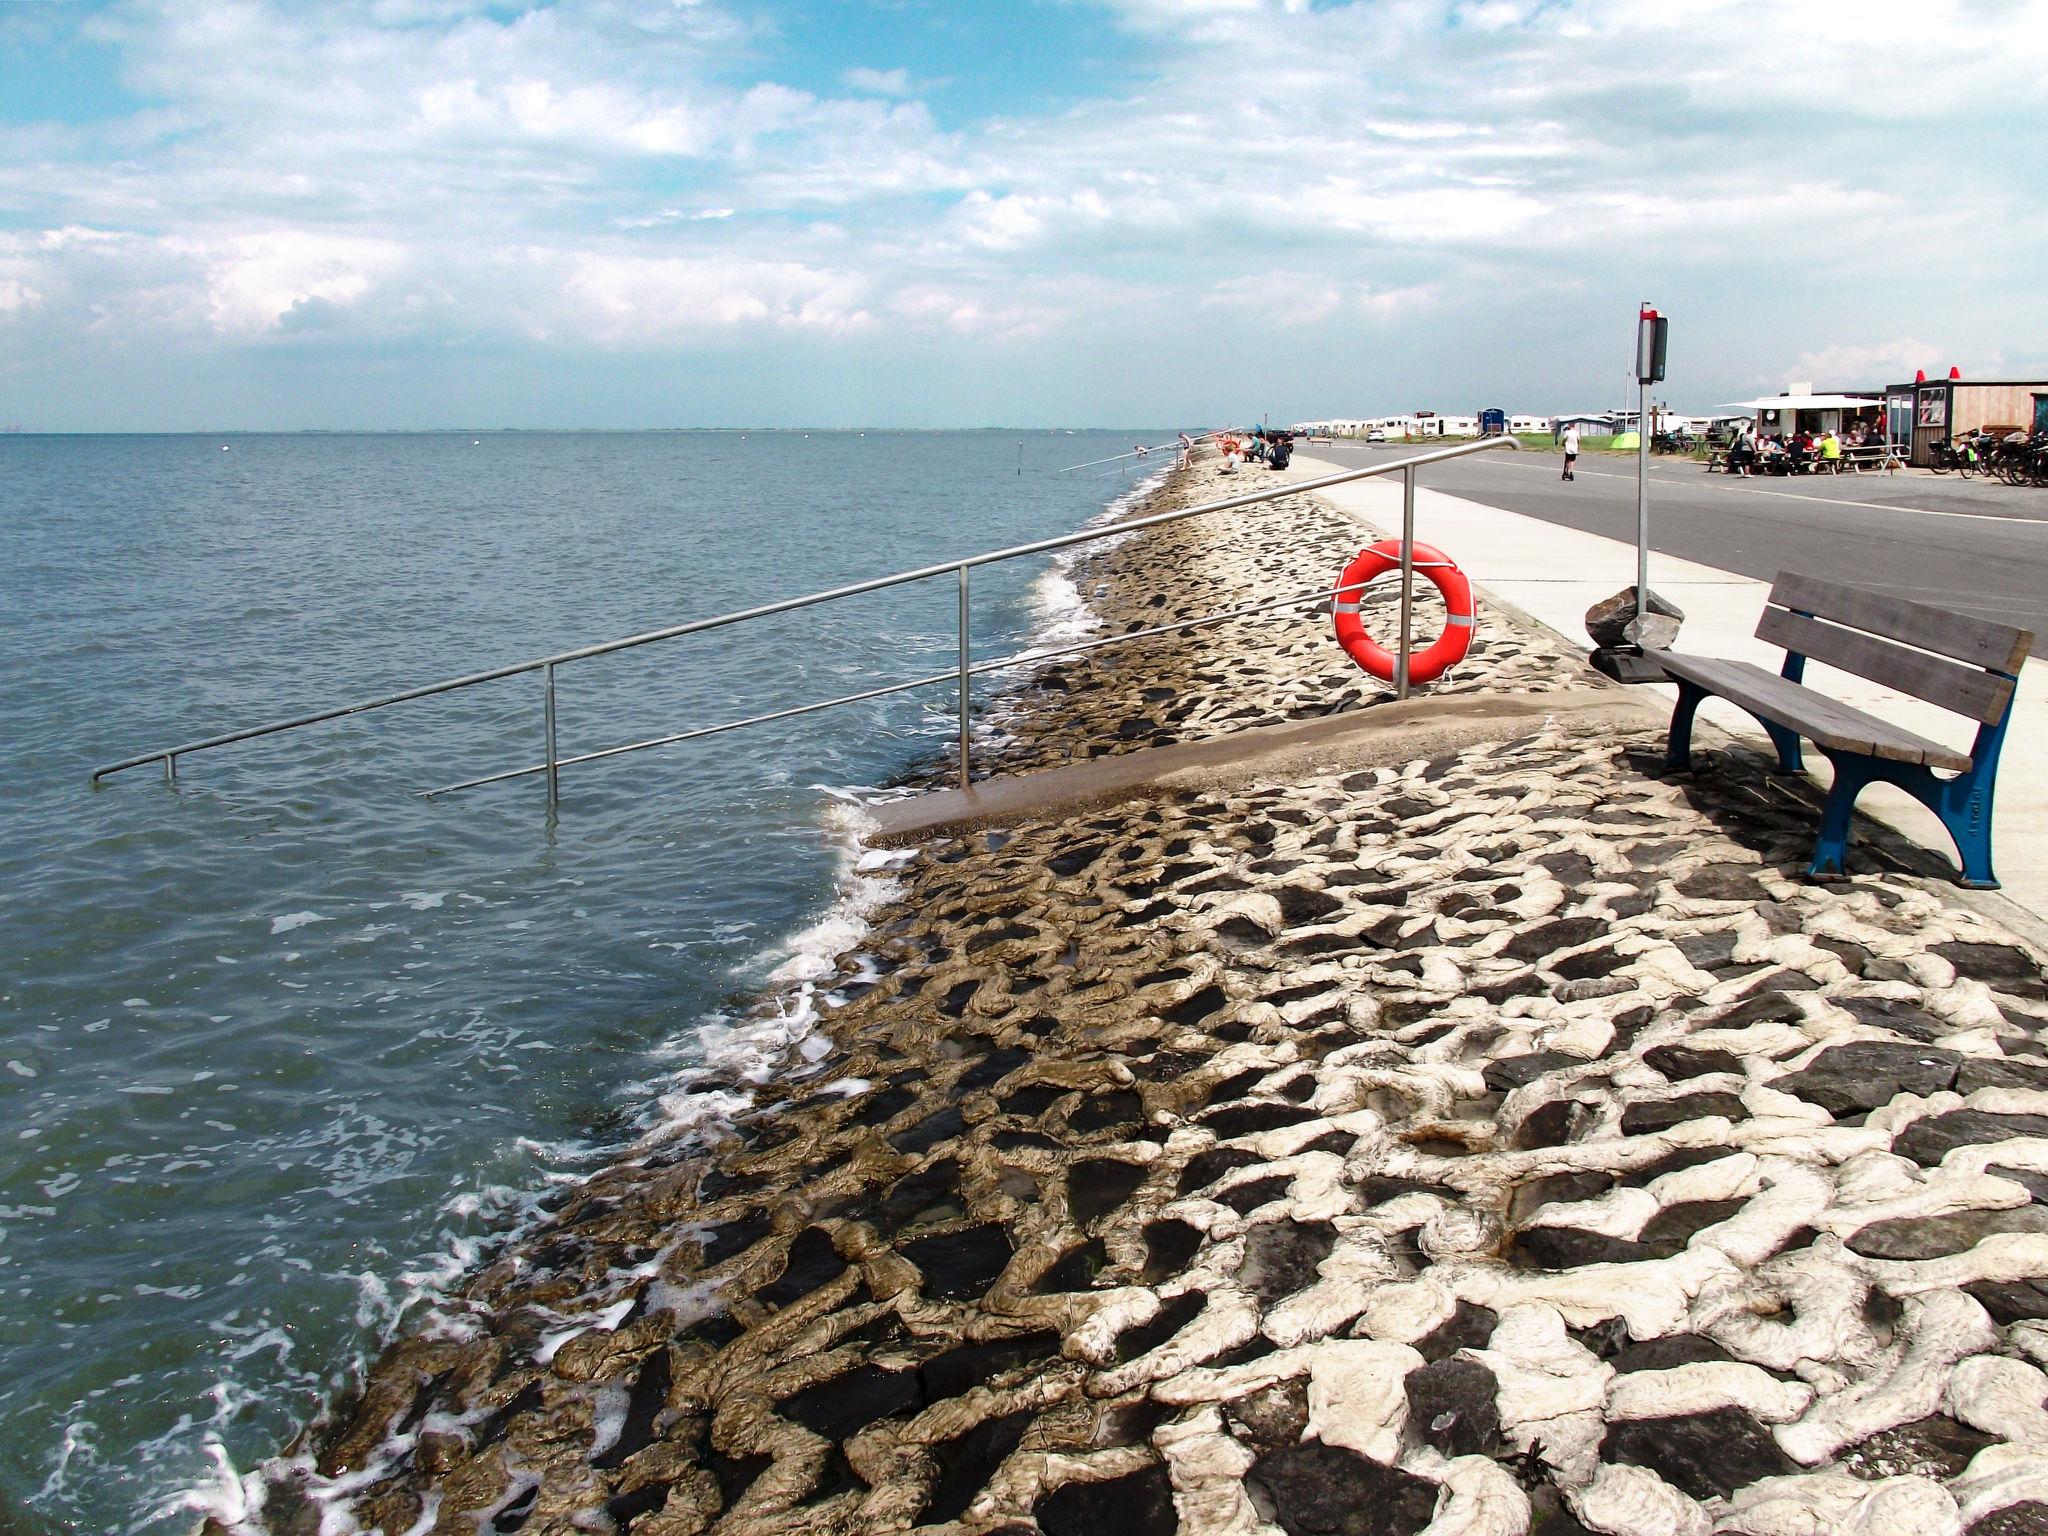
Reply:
x=1554 y=574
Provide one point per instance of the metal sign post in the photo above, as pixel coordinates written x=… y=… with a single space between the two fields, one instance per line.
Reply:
x=1652 y=331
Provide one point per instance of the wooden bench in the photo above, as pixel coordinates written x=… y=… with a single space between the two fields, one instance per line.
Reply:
x=1965 y=664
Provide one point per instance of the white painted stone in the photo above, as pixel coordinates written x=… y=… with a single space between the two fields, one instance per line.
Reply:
x=1634 y=1501
x=1936 y=1331
x=2001 y=1397
x=1357 y=1395
x=1703 y=1386
x=1479 y=1498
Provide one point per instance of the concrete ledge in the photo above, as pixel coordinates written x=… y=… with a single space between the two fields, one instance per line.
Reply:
x=1381 y=734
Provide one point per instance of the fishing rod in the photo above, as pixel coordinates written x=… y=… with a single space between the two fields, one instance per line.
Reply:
x=1135 y=453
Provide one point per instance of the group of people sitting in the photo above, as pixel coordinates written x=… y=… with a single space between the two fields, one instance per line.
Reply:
x=1795 y=453
x=1270 y=446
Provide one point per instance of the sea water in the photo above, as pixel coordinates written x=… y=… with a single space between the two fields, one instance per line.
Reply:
x=284 y=1044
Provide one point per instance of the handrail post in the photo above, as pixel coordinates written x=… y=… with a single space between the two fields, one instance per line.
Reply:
x=1407 y=581
x=170 y=767
x=966 y=773
x=547 y=709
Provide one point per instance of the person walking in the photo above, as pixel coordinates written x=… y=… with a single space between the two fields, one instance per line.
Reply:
x=1571 y=452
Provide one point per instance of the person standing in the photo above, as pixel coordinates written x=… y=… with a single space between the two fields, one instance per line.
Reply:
x=1571 y=452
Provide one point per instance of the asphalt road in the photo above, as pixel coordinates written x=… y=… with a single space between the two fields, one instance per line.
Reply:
x=1975 y=547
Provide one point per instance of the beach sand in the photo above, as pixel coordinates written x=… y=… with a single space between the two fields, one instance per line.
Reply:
x=1504 y=1142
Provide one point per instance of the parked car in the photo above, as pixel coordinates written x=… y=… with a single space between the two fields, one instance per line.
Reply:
x=1376 y=435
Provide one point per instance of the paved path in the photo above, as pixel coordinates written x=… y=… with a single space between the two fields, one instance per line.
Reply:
x=1716 y=546
x=1939 y=539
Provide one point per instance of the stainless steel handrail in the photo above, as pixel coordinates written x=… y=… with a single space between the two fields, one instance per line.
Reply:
x=963 y=672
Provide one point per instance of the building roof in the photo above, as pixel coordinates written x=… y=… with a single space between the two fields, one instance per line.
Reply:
x=1805 y=402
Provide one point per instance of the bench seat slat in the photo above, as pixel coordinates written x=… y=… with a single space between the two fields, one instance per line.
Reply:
x=1966 y=690
x=1825 y=722
x=1962 y=636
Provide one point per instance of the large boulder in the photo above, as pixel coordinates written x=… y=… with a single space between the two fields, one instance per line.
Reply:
x=1611 y=621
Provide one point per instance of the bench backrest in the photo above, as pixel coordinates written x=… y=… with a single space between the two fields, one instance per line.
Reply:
x=1861 y=632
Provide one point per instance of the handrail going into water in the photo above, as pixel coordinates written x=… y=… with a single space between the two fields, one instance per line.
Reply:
x=963 y=672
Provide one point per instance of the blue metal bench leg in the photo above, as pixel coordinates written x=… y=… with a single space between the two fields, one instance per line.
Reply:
x=1851 y=775
x=1969 y=823
x=1787 y=743
x=1678 y=750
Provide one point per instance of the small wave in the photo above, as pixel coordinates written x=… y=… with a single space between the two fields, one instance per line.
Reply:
x=291 y=920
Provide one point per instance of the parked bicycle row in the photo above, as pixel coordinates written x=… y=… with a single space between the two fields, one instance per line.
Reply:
x=2017 y=458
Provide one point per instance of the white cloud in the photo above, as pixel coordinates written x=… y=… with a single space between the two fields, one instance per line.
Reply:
x=254 y=282
x=615 y=177
x=880 y=82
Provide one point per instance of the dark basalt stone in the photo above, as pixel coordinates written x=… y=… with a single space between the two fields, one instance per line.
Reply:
x=1550 y=1516
x=1678 y=1062
x=1205 y=1168
x=848 y=1404
x=1557 y=1189
x=958 y=1266
x=1313 y=1489
x=1999 y=965
x=1667 y=1353
x=1247 y=1119
x=1774 y=1007
x=1076 y=1270
x=1469 y=1327
x=1589 y=964
x=1118 y=1106
x=1995 y=1072
x=1032 y=1100
x=1169 y=1244
x=1935 y=1237
x=1272 y=1417
x=1724 y=882
x=1548 y=938
x=1281 y=1257
x=1074 y=860
x=1249 y=1196
x=1900 y=1018
x=732 y=1237
x=1235 y=1087
x=1137 y=1504
x=2029 y=1517
x=1672 y=1228
x=1173 y=1315
x=812 y=1261
x=1704 y=1454
x=1868 y=1074
x=1196 y=1007
x=2036 y=1183
x=835 y=1476
x=1100 y=1184
x=645 y=1399
x=1937 y=1447
x=930 y=1131
x=966 y=1464
x=1673 y=1161
x=1378 y=1188
x=625 y=1508
x=957 y=1370
x=1512 y=1072
x=1547 y=1125
x=991 y=1069
x=1568 y=1248
x=1646 y=1119
x=1928 y=1140
x=885 y=1104
x=1451 y=1406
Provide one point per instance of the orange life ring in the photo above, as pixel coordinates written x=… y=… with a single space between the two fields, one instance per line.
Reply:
x=1423 y=666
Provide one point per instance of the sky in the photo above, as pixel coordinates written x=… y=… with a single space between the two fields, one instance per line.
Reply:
x=238 y=214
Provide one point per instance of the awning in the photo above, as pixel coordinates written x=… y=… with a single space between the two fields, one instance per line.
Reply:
x=1805 y=403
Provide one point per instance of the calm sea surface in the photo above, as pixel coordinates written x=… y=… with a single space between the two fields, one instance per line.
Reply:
x=281 y=1045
